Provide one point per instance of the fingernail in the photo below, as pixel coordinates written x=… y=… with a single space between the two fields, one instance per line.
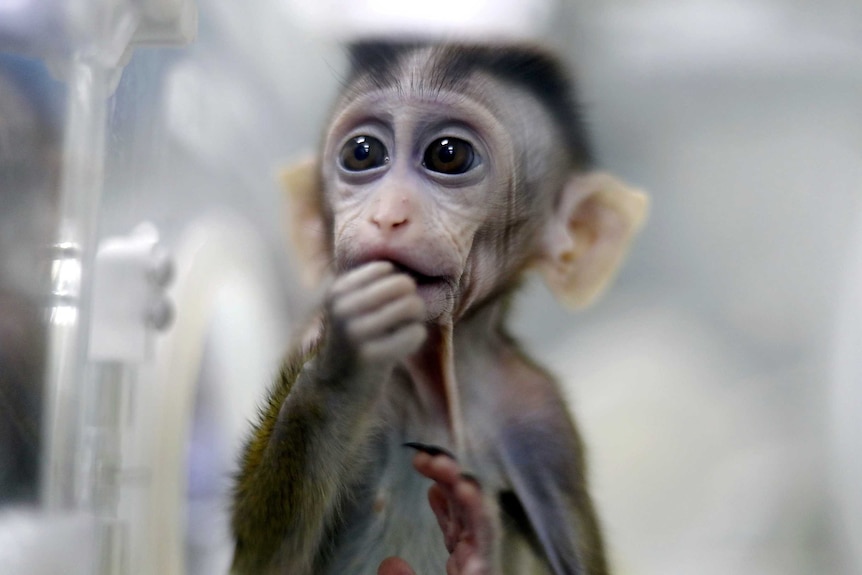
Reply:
x=432 y=450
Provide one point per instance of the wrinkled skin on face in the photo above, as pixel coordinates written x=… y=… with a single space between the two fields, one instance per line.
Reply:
x=458 y=234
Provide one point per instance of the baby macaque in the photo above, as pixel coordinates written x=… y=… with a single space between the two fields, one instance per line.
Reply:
x=411 y=433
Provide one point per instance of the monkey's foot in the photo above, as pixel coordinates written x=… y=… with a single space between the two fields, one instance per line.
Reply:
x=456 y=500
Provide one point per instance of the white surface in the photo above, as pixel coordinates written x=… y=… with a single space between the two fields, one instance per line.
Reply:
x=34 y=543
x=426 y=18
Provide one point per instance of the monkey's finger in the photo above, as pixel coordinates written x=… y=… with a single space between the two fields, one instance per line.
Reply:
x=460 y=558
x=395 y=346
x=471 y=511
x=477 y=534
x=453 y=566
x=441 y=468
x=394 y=566
x=380 y=322
x=445 y=472
x=440 y=503
x=375 y=294
x=359 y=277
x=467 y=560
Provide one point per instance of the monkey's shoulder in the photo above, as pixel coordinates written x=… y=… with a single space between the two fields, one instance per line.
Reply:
x=525 y=387
x=534 y=415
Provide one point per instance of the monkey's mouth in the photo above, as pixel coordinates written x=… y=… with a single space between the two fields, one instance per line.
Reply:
x=437 y=291
x=420 y=278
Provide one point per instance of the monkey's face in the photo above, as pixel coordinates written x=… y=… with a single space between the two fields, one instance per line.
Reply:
x=425 y=179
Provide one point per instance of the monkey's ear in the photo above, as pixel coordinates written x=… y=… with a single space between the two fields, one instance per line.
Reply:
x=306 y=227
x=588 y=235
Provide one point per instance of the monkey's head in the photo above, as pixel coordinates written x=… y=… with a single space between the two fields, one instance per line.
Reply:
x=464 y=166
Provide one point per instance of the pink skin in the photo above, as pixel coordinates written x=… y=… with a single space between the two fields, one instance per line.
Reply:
x=457 y=502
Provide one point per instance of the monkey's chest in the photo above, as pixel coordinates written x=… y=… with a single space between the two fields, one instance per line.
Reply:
x=389 y=516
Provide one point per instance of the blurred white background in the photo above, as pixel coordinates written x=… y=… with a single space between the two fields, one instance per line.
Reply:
x=717 y=384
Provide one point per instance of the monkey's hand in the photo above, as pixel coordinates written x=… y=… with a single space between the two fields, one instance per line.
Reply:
x=375 y=316
x=468 y=527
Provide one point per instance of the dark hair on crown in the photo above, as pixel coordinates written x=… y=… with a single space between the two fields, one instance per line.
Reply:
x=528 y=67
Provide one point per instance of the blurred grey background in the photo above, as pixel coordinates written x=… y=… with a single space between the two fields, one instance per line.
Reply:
x=717 y=383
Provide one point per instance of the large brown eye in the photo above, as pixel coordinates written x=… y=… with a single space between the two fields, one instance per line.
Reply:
x=363 y=153
x=449 y=156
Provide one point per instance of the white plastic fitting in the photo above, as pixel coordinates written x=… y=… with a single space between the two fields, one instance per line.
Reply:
x=129 y=298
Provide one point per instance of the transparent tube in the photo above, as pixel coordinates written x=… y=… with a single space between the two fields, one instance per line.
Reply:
x=81 y=189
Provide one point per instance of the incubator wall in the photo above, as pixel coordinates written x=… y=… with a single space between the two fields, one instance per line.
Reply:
x=718 y=384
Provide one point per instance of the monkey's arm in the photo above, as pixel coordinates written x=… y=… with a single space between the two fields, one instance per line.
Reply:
x=546 y=468
x=294 y=470
x=308 y=446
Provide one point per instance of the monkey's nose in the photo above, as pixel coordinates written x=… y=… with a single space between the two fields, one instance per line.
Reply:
x=385 y=222
x=391 y=215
